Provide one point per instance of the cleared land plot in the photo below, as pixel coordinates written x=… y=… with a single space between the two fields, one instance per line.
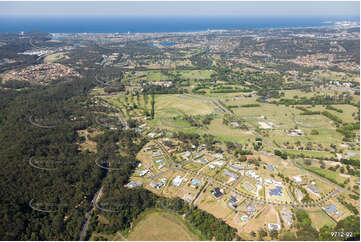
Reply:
x=88 y=144
x=261 y=220
x=161 y=226
x=226 y=133
x=208 y=171
x=217 y=207
x=319 y=218
x=193 y=166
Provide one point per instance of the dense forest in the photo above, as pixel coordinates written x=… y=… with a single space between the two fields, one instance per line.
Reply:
x=26 y=189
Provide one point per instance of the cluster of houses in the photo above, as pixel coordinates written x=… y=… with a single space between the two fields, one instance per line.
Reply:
x=141 y=128
x=41 y=73
x=252 y=174
x=159 y=185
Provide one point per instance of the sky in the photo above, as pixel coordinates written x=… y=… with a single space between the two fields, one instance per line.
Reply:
x=187 y=9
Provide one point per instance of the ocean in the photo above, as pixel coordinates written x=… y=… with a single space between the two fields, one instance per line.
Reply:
x=153 y=24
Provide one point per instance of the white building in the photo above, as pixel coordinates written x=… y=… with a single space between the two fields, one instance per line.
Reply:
x=177 y=181
x=186 y=155
x=274 y=227
x=218 y=156
x=218 y=163
x=297 y=179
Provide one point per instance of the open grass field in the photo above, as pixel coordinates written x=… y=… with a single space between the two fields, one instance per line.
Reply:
x=281 y=116
x=346 y=115
x=193 y=166
x=173 y=105
x=161 y=226
x=325 y=173
x=319 y=218
x=210 y=172
x=149 y=76
x=194 y=74
x=327 y=131
x=170 y=110
x=268 y=215
x=307 y=153
x=227 y=133
x=54 y=57
x=110 y=237
x=156 y=76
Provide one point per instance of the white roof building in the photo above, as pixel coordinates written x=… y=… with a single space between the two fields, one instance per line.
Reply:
x=177 y=181
x=297 y=179
x=274 y=227
x=186 y=155
x=218 y=156
x=218 y=163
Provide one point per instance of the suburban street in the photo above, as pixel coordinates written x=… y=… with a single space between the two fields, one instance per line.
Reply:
x=232 y=188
